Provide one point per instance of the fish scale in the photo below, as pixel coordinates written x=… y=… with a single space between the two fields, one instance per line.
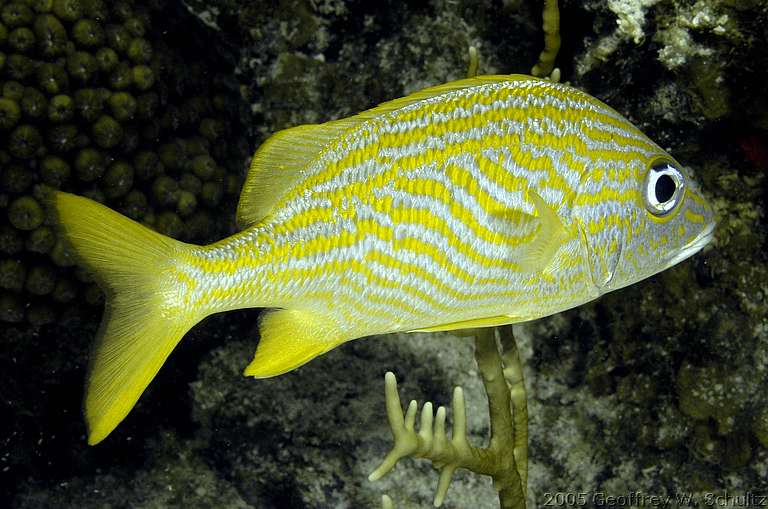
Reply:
x=401 y=165
x=481 y=202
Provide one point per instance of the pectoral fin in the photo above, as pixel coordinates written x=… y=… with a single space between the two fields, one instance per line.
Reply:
x=547 y=234
x=544 y=234
x=491 y=321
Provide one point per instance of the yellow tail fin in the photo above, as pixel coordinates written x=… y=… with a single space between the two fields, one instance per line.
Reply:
x=144 y=316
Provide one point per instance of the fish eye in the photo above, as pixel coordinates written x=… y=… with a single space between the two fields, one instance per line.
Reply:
x=664 y=186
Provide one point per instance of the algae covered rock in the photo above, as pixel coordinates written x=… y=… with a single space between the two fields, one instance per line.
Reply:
x=174 y=478
x=695 y=52
x=278 y=451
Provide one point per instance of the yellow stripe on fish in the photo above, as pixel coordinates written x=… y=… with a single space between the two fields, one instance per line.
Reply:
x=485 y=201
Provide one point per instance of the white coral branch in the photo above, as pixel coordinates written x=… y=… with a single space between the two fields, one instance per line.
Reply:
x=505 y=458
x=431 y=441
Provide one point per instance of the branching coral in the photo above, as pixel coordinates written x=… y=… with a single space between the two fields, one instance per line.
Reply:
x=546 y=64
x=505 y=459
x=506 y=456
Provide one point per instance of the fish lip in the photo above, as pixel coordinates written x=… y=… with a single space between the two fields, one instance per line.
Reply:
x=696 y=245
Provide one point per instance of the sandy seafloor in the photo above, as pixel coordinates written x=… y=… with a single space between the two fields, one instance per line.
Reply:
x=658 y=390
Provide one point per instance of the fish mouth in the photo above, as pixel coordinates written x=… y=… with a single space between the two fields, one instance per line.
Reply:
x=690 y=249
x=696 y=245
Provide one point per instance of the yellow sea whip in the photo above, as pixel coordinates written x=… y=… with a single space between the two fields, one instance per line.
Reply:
x=485 y=201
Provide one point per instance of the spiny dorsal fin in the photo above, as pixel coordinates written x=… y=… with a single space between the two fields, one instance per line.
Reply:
x=278 y=163
x=429 y=92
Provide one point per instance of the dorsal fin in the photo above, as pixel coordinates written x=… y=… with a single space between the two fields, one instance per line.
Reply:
x=429 y=92
x=278 y=163
x=276 y=167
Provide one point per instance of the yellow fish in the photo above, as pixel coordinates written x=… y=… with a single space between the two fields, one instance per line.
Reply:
x=481 y=202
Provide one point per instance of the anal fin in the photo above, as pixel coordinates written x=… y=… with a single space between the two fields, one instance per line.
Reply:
x=290 y=338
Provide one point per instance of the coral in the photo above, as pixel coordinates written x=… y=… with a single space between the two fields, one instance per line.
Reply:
x=139 y=51
x=34 y=104
x=165 y=189
x=708 y=392
x=12 y=274
x=122 y=105
x=505 y=458
x=25 y=213
x=54 y=171
x=305 y=52
x=16 y=14
x=9 y=113
x=81 y=66
x=697 y=47
x=187 y=203
x=107 y=132
x=11 y=309
x=87 y=33
x=702 y=17
x=117 y=180
x=21 y=39
x=40 y=240
x=15 y=178
x=629 y=16
x=10 y=240
x=81 y=86
x=60 y=108
x=89 y=164
x=24 y=141
x=760 y=426
x=546 y=63
x=41 y=280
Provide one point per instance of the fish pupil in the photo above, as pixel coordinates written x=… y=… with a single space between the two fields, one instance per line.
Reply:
x=665 y=188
